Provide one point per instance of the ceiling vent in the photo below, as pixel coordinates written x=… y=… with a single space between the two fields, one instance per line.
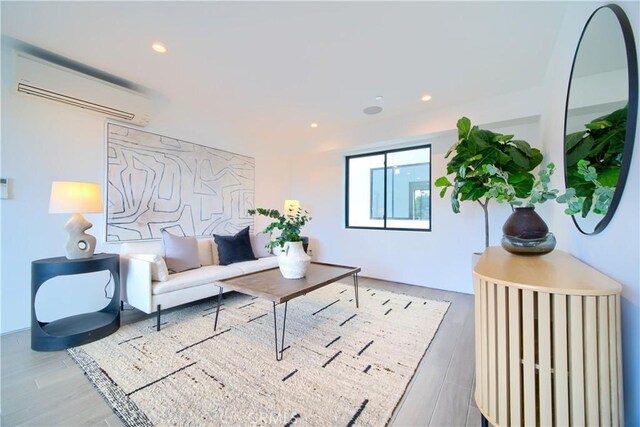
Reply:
x=35 y=76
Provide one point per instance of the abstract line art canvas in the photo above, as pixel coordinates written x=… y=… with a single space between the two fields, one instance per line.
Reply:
x=155 y=182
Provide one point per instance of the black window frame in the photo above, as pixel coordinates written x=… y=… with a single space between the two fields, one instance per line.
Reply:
x=384 y=218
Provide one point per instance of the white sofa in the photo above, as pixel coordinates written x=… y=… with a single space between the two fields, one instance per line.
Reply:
x=149 y=296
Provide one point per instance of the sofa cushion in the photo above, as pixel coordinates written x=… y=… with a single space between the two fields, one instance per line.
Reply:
x=236 y=248
x=199 y=276
x=180 y=253
x=258 y=244
x=205 y=252
x=143 y=247
x=257 y=265
x=159 y=271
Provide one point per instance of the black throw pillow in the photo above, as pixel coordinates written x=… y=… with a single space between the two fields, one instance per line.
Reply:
x=234 y=248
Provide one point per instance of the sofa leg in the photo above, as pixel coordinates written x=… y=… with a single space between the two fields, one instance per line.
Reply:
x=121 y=305
x=158 y=319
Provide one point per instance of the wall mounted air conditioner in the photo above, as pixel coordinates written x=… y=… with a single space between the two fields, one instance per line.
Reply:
x=35 y=76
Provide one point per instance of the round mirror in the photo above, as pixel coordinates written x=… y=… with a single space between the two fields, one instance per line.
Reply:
x=600 y=117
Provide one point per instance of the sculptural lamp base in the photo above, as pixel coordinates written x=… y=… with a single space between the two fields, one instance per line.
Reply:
x=79 y=244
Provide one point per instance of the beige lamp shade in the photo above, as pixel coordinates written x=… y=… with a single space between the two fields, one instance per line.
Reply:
x=75 y=197
x=291 y=207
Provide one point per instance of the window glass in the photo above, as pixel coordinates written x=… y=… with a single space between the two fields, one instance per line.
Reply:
x=390 y=189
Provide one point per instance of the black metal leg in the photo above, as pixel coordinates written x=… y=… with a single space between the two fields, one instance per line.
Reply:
x=275 y=329
x=121 y=305
x=355 y=287
x=215 y=325
x=158 y=320
x=483 y=421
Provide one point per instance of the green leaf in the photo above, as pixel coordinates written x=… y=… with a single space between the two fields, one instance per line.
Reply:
x=579 y=151
x=453 y=148
x=609 y=177
x=443 y=181
x=524 y=185
x=598 y=124
x=517 y=178
x=573 y=139
x=503 y=138
x=490 y=169
x=464 y=127
x=536 y=158
x=523 y=146
x=519 y=158
x=476 y=193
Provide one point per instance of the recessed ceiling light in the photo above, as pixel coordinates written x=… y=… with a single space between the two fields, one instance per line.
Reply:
x=314 y=125
x=379 y=98
x=159 y=47
x=374 y=109
x=426 y=98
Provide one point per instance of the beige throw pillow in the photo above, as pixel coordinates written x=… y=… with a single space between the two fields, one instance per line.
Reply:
x=205 y=252
x=180 y=253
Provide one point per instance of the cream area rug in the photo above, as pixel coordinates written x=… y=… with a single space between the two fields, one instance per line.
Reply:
x=342 y=366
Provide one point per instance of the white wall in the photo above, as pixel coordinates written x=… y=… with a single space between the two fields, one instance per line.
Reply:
x=616 y=250
x=44 y=141
x=440 y=258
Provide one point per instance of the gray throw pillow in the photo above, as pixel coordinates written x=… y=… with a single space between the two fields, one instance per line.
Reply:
x=259 y=243
x=180 y=253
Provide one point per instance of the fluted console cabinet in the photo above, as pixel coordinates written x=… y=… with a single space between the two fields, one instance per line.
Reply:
x=547 y=341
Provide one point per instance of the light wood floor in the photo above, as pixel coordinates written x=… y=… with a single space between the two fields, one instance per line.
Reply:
x=48 y=388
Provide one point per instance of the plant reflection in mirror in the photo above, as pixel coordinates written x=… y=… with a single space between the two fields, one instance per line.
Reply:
x=601 y=146
x=600 y=199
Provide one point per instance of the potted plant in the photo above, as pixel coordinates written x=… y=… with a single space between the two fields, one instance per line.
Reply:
x=477 y=148
x=292 y=260
x=524 y=231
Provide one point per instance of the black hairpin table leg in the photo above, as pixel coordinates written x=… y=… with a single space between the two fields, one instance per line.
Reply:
x=355 y=287
x=215 y=325
x=275 y=329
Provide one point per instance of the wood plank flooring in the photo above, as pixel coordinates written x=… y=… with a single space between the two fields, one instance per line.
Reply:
x=49 y=389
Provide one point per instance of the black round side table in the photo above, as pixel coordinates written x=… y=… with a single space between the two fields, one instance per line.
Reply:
x=82 y=328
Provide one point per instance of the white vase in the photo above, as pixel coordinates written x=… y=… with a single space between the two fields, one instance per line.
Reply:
x=293 y=261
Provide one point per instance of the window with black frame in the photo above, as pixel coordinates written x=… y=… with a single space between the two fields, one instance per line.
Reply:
x=389 y=189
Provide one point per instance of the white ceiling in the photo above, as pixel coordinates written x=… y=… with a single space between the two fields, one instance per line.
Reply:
x=269 y=69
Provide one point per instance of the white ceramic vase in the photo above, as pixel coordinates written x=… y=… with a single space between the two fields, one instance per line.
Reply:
x=293 y=261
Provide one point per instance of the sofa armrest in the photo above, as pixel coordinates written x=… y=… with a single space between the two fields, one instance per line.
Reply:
x=135 y=278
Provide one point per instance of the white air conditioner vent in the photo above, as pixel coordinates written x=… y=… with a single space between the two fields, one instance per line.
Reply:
x=35 y=76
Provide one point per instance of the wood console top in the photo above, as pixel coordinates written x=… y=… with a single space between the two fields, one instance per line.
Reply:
x=556 y=273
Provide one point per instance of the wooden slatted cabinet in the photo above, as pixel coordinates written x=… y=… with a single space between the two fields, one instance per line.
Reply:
x=548 y=347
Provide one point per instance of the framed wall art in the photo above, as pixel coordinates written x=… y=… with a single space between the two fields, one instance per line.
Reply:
x=156 y=182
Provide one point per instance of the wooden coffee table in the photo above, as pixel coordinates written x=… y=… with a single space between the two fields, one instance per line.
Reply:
x=270 y=285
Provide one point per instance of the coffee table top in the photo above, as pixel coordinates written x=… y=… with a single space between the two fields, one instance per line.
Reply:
x=270 y=285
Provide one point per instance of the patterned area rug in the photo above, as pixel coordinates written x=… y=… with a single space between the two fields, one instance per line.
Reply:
x=342 y=366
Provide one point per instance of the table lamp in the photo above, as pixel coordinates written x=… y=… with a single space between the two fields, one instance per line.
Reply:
x=77 y=198
x=291 y=207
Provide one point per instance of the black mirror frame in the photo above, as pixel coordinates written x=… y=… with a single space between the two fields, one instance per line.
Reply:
x=632 y=114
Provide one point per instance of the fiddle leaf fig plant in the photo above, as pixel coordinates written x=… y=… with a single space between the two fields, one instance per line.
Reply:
x=475 y=150
x=290 y=226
